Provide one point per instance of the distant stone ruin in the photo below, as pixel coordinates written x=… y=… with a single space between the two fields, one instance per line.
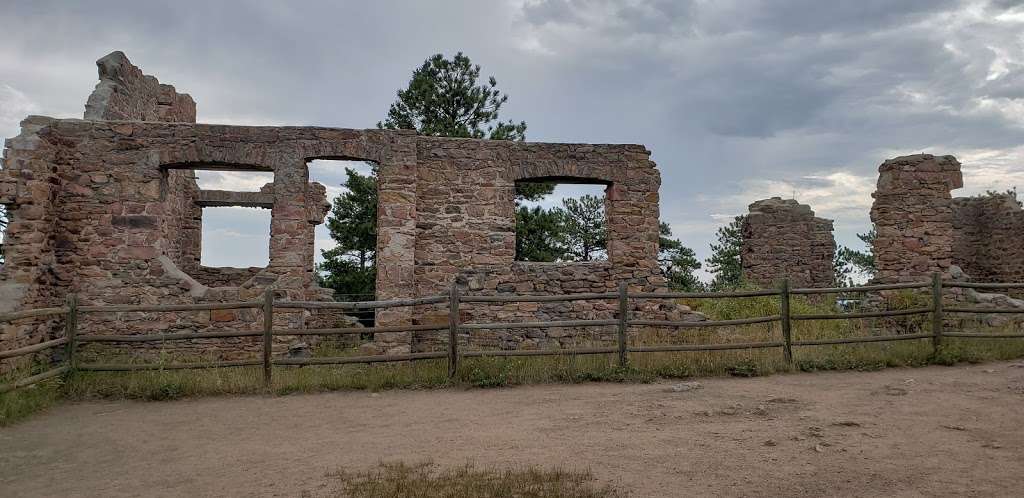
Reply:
x=913 y=217
x=922 y=228
x=108 y=208
x=783 y=239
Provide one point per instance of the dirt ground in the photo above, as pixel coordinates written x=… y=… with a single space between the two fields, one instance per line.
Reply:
x=936 y=431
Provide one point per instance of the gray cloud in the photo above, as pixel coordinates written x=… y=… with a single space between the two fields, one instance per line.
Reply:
x=735 y=98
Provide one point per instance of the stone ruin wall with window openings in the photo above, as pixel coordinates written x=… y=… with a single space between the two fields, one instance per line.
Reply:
x=107 y=208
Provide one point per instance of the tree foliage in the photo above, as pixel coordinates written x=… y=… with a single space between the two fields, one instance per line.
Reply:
x=849 y=261
x=574 y=231
x=443 y=99
x=677 y=262
x=538 y=234
x=724 y=262
x=350 y=266
x=583 y=231
x=1012 y=193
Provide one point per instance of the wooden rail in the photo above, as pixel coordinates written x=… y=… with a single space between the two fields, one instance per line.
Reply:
x=866 y=314
x=456 y=329
x=862 y=288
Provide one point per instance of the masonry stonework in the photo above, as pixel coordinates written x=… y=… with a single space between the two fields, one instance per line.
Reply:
x=913 y=216
x=988 y=232
x=783 y=239
x=125 y=94
x=107 y=208
x=922 y=229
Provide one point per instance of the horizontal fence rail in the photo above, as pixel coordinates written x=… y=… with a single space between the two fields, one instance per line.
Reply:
x=984 y=310
x=865 y=314
x=36 y=313
x=353 y=305
x=705 y=323
x=702 y=295
x=537 y=299
x=454 y=327
x=862 y=288
x=980 y=285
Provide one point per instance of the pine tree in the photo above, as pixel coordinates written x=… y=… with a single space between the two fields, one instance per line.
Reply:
x=848 y=261
x=443 y=99
x=350 y=267
x=538 y=234
x=583 y=230
x=724 y=262
x=677 y=262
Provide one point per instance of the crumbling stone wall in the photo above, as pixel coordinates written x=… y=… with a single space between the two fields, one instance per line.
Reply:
x=125 y=94
x=913 y=216
x=922 y=229
x=783 y=239
x=988 y=232
x=108 y=209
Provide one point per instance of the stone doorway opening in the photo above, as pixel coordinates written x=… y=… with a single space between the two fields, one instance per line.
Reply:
x=346 y=244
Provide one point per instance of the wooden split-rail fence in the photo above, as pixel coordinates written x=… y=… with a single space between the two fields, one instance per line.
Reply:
x=71 y=311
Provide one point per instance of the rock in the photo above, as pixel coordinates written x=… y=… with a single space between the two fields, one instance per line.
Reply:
x=683 y=387
x=299 y=350
x=770 y=442
x=846 y=423
x=819 y=448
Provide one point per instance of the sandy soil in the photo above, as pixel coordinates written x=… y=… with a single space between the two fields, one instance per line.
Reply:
x=935 y=431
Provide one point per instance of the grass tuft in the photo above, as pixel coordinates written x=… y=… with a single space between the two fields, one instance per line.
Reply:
x=426 y=480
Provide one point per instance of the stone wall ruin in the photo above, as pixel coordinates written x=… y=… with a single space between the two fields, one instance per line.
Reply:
x=107 y=208
x=783 y=239
x=923 y=229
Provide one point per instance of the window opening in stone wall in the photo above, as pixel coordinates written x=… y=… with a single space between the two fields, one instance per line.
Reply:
x=560 y=221
x=346 y=243
x=236 y=181
x=236 y=237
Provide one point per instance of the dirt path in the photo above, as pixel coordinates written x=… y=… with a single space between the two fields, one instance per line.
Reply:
x=899 y=432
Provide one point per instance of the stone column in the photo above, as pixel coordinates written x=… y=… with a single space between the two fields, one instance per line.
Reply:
x=783 y=239
x=289 y=227
x=396 y=242
x=913 y=216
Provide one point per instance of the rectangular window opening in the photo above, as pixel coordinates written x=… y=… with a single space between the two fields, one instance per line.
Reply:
x=236 y=181
x=560 y=221
x=235 y=237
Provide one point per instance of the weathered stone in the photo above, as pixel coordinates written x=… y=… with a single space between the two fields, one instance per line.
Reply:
x=913 y=216
x=110 y=210
x=783 y=239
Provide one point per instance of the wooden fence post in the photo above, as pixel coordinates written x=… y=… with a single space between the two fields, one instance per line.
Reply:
x=453 y=330
x=787 y=334
x=268 y=330
x=936 y=311
x=623 y=323
x=71 y=329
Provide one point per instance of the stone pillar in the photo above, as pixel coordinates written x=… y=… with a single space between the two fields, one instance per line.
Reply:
x=783 y=239
x=913 y=216
x=396 y=242
x=288 y=230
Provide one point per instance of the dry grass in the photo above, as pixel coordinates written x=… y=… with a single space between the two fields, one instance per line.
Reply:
x=506 y=371
x=426 y=480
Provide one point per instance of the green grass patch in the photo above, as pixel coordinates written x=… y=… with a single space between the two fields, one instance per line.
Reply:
x=426 y=480
x=21 y=403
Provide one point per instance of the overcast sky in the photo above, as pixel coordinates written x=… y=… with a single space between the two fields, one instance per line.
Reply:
x=738 y=100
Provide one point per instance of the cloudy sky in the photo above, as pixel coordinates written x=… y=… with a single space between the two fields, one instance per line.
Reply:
x=738 y=100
